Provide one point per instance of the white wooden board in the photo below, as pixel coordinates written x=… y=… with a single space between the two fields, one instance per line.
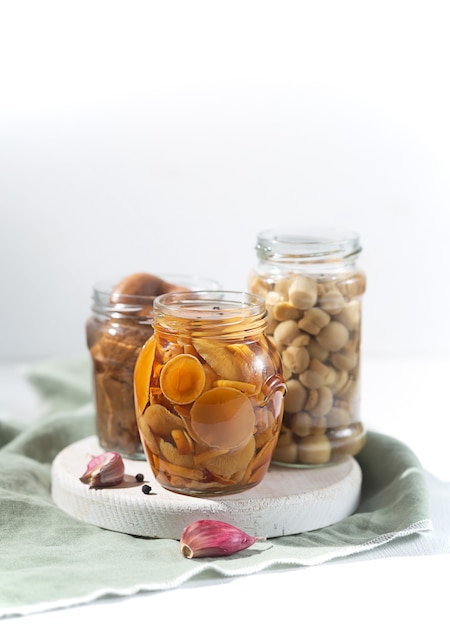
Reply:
x=288 y=501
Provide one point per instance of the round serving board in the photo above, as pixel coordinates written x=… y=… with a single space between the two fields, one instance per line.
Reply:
x=287 y=501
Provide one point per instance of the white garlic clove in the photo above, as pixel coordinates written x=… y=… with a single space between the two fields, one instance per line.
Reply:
x=104 y=470
x=213 y=538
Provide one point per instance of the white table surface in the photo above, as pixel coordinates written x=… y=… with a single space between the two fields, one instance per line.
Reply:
x=406 y=398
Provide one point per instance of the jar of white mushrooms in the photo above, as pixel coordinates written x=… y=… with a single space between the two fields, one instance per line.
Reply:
x=313 y=287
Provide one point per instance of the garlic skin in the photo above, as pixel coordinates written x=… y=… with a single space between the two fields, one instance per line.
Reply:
x=213 y=538
x=104 y=470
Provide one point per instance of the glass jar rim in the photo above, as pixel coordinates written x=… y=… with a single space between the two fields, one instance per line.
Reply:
x=103 y=290
x=307 y=244
x=209 y=305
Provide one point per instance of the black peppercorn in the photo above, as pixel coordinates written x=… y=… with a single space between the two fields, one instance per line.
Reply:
x=139 y=478
x=146 y=489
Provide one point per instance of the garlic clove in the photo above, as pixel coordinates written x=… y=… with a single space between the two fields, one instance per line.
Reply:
x=213 y=538
x=104 y=470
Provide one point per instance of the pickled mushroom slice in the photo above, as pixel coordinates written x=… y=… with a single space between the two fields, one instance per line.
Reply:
x=244 y=352
x=183 y=442
x=226 y=465
x=210 y=376
x=189 y=349
x=208 y=453
x=160 y=420
x=228 y=361
x=236 y=384
x=174 y=470
x=258 y=467
x=222 y=480
x=222 y=417
x=182 y=379
x=266 y=427
x=148 y=438
x=142 y=373
x=172 y=454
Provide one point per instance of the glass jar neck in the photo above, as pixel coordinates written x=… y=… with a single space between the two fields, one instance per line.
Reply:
x=212 y=314
x=319 y=247
x=110 y=301
x=108 y=305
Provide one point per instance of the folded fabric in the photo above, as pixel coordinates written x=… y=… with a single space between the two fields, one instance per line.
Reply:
x=49 y=559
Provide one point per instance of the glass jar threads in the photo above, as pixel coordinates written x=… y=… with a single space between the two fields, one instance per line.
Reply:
x=120 y=324
x=312 y=288
x=209 y=393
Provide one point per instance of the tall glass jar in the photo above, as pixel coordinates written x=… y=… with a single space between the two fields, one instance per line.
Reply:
x=209 y=393
x=313 y=286
x=120 y=324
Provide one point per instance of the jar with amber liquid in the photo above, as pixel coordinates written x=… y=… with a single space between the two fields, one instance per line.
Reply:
x=209 y=393
x=120 y=324
x=312 y=287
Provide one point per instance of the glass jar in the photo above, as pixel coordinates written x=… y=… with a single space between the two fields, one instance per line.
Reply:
x=120 y=324
x=313 y=287
x=209 y=393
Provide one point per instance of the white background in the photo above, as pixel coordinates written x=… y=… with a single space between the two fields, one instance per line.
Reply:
x=163 y=136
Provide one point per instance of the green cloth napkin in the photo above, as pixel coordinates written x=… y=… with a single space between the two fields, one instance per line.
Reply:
x=50 y=560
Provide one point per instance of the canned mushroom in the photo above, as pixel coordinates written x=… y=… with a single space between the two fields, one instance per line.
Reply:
x=312 y=287
x=120 y=324
x=209 y=393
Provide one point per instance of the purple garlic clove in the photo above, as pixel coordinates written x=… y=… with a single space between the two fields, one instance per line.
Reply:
x=104 y=470
x=213 y=538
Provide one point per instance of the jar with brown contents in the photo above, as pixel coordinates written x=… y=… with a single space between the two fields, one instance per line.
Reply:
x=209 y=393
x=121 y=323
x=313 y=287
